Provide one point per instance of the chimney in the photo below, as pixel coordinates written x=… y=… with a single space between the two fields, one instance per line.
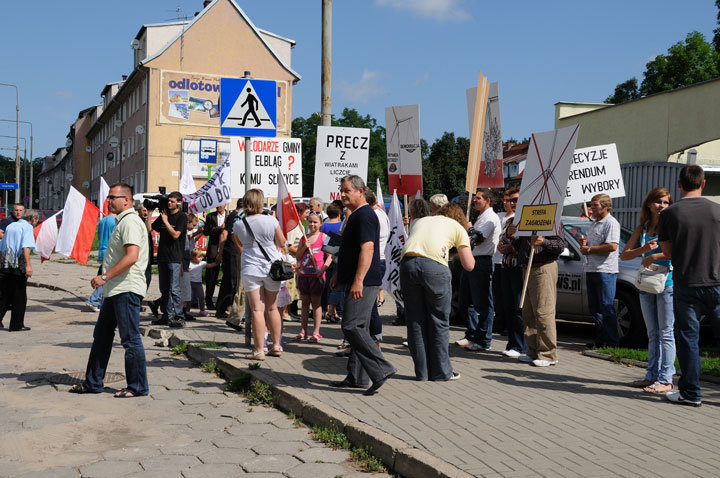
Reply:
x=124 y=77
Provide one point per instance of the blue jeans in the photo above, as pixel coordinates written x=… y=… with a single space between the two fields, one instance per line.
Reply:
x=657 y=310
x=510 y=284
x=121 y=311
x=169 y=277
x=96 y=297
x=601 y=300
x=427 y=291
x=475 y=290
x=689 y=304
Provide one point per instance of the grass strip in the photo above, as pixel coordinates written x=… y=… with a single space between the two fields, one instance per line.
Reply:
x=709 y=357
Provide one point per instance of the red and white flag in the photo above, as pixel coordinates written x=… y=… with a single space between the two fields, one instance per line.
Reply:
x=102 y=196
x=286 y=213
x=80 y=218
x=46 y=235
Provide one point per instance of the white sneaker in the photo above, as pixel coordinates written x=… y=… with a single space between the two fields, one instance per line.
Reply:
x=455 y=376
x=525 y=358
x=675 y=397
x=512 y=353
x=92 y=307
x=543 y=363
x=405 y=343
x=463 y=342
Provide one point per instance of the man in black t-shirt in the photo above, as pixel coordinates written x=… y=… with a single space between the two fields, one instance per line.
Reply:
x=360 y=276
x=172 y=226
x=688 y=235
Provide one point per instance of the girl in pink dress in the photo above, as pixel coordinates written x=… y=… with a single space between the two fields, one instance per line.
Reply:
x=312 y=265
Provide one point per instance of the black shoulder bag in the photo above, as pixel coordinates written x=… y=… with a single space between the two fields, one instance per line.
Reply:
x=279 y=269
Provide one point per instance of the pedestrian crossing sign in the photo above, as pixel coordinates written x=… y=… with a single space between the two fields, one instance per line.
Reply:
x=248 y=107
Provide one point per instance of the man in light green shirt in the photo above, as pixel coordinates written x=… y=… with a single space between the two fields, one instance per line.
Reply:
x=123 y=279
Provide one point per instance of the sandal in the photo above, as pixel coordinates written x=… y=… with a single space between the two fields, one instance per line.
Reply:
x=658 y=387
x=275 y=352
x=315 y=338
x=125 y=393
x=255 y=356
x=300 y=336
x=82 y=388
x=333 y=319
x=640 y=383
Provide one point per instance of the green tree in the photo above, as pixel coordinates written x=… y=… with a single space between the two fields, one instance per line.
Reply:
x=716 y=36
x=685 y=63
x=445 y=166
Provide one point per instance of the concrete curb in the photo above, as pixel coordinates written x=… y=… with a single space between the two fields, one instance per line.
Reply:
x=398 y=456
x=638 y=363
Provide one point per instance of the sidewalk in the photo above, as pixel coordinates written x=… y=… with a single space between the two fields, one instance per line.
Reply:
x=502 y=418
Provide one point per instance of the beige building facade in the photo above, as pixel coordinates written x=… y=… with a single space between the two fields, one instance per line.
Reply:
x=173 y=94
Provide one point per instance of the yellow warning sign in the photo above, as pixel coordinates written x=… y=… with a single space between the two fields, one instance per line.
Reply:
x=537 y=217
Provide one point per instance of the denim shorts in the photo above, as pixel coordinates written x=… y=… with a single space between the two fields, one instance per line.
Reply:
x=250 y=283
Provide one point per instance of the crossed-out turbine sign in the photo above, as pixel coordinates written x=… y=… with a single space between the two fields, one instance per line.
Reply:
x=248 y=107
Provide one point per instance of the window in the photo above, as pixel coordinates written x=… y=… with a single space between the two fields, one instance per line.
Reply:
x=144 y=91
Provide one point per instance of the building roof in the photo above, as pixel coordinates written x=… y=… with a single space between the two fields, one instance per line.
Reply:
x=249 y=22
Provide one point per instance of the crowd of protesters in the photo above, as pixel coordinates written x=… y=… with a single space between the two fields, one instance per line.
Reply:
x=508 y=280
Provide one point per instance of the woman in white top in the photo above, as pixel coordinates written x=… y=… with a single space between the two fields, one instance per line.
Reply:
x=255 y=270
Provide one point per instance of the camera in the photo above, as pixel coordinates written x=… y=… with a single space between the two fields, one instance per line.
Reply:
x=475 y=237
x=160 y=201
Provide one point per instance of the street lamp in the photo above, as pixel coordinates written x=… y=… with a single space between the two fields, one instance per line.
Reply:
x=31 y=154
x=17 y=140
x=24 y=146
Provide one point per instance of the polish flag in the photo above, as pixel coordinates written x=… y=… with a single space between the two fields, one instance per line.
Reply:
x=379 y=195
x=102 y=196
x=80 y=218
x=46 y=236
x=286 y=213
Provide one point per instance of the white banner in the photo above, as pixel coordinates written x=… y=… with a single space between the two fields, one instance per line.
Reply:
x=544 y=182
x=191 y=157
x=393 y=249
x=339 y=152
x=213 y=193
x=267 y=156
x=594 y=170
x=402 y=126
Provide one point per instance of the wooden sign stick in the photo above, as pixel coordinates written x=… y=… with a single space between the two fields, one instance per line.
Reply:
x=527 y=273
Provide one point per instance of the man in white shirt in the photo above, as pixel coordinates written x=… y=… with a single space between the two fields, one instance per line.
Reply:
x=601 y=270
x=475 y=286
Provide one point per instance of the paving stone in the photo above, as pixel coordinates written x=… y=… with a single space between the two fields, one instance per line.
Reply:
x=193 y=448
x=231 y=441
x=130 y=454
x=42 y=422
x=271 y=463
x=109 y=469
x=252 y=429
x=271 y=447
x=215 y=470
x=227 y=455
x=213 y=424
x=277 y=434
x=156 y=474
x=55 y=472
x=315 y=470
x=324 y=455
x=169 y=462
x=261 y=415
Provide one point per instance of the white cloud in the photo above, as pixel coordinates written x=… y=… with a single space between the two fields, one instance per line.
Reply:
x=64 y=94
x=441 y=10
x=362 y=90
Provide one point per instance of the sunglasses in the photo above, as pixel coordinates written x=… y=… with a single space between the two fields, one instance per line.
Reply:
x=110 y=196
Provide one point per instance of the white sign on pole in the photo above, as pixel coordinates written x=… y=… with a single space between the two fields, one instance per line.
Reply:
x=214 y=192
x=393 y=250
x=594 y=170
x=491 y=169
x=544 y=182
x=339 y=152
x=268 y=155
x=402 y=126
x=191 y=157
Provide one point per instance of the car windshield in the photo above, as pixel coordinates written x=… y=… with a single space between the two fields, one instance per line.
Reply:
x=580 y=229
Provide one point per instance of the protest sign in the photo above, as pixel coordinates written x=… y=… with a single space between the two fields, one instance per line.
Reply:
x=214 y=192
x=594 y=170
x=491 y=168
x=393 y=249
x=544 y=182
x=191 y=157
x=267 y=156
x=402 y=126
x=339 y=152
x=477 y=136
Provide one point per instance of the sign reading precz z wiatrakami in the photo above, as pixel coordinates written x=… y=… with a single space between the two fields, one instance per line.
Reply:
x=339 y=152
x=594 y=170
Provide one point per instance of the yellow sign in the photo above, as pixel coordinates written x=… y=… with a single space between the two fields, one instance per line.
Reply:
x=537 y=217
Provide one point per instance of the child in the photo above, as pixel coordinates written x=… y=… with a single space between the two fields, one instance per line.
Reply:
x=196 y=284
x=311 y=276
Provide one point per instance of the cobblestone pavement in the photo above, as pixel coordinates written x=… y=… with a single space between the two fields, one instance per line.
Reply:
x=189 y=426
x=502 y=418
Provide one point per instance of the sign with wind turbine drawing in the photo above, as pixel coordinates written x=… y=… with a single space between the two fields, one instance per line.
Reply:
x=402 y=130
x=544 y=182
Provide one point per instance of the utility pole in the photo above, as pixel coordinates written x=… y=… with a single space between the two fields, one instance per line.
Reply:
x=31 y=154
x=17 y=139
x=326 y=74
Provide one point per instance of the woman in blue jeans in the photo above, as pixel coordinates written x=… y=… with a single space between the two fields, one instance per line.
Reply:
x=657 y=309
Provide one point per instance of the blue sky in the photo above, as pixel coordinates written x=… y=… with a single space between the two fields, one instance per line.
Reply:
x=385 y=52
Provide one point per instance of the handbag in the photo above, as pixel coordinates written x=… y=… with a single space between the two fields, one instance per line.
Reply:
x=652 y=279
x=279 y=270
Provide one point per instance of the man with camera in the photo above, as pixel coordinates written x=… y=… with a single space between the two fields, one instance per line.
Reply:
x=172 y=225
x=475 y=286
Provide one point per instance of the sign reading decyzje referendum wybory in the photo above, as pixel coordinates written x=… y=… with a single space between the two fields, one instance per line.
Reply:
x=339 y=152
x=544 y=182
x=594 y=170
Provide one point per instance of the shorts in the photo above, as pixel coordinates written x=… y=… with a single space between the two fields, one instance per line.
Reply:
x=308 y=285
x=251 y=283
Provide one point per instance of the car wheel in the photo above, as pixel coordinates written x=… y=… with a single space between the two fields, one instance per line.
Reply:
x=631 y=325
